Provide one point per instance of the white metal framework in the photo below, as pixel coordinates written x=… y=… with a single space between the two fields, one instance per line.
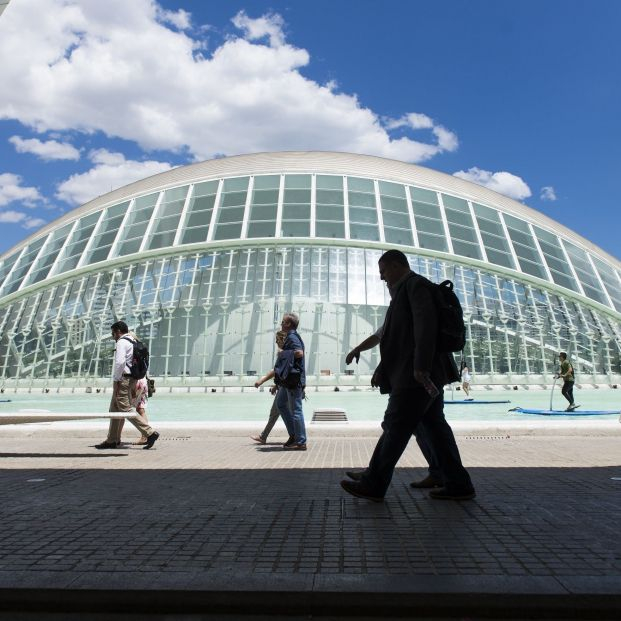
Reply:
x=202 y=259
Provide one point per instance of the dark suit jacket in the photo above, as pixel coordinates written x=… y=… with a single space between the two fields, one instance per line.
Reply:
x=410 y=336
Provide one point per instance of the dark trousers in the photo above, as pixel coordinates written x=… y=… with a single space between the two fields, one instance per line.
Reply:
x=568 y=392
x=406 y=409
x=422 y=439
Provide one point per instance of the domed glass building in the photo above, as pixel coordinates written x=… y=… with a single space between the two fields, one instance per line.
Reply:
x=201 y=261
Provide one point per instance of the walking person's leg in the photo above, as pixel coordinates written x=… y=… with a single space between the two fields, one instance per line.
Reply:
x=294 y=397
x=116 y=424
x=271 y=421
x=402 y=415
x=434 y=476
x=282 y=404
x=565 y=391
x=457 y=482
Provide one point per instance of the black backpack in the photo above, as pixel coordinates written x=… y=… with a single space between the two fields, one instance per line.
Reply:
x=451 y=327
x=140 y=359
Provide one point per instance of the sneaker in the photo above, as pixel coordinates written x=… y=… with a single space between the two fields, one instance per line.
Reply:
x=258 y=439
x=295 y=447
x=289 y=442
x=427 y=483
x=445 y=494
x=355 y=475
x=355 y=488
x=107 y=445
x=572 y=407
x=151 y=440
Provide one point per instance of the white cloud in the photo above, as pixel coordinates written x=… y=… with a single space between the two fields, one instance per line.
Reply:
x=12 y=190
x=18 y=217
x=502 y=182
x=180 y=19
x=117 y=68
x=48 y=150
x=111 y=171
x=547 y=193
x=269 y=25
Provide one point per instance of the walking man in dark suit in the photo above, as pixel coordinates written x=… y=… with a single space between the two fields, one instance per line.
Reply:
x=413 y=372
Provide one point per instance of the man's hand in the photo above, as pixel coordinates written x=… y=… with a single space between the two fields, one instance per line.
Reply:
x=354 y=353
x=257 y=384
x=298 y=353
x=273 y=389
x=375 y=380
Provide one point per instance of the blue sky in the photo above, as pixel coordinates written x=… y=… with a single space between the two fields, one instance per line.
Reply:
x=522 y=97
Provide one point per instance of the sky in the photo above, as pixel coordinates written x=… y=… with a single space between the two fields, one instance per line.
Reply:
x=522 y=97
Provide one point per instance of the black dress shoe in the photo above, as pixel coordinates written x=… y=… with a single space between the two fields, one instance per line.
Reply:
x=427 y=483
x=151 y=440
x=447 y=494
x=355 y=475
x=107 y=445
x=289 y=442
x=355 y=488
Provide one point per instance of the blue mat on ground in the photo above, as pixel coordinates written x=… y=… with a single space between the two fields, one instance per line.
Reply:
x=564 y=413
x=475 y=401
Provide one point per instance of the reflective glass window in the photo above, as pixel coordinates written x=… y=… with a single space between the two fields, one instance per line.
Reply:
x=296 y=206
x=555 y=258
x=524 y=246
x=199 y=212
x=395 y=215
x=107 y=232
x=329 y=210
x=136 y=224
x=167 y=218
x=264 y=206
x=429 y=226
x=73 y=251
x=22 y=266
x=7 y=266
x=611 y=282
x=493 y=236
x=585 y=273
x=232 y=205
x=362 y=209
x=461 y=227
x=49 y=254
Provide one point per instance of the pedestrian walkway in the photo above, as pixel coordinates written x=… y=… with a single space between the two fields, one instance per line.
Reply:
x=208 y=521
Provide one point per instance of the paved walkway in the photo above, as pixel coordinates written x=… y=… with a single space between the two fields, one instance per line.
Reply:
x=208 y=521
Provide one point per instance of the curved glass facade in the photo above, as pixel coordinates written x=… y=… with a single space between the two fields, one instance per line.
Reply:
x=202 y=270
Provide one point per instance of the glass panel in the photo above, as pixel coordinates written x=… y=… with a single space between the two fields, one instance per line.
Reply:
x=49 y=254
x=356 y=184
x=231 y=212
x=78 y=242
x=261 y=229
x=200 y=210
x=394 y=204
x=330 y=229
x=22 y=267
x=401 y=235
x=611 y=282
x=295 y=212
x=391 y=189
x=423 y=196
x=297 y=181
x=267 y=182
x=363 y=231
x=362 y=215
x=108 y=231
x=329 y=182
x=561 y=273
x=585 y=273
x=330 y=212
x=493 y=236
x=295 y=229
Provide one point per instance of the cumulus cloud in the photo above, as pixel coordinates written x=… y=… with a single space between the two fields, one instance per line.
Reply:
x=502 y=182
x=117 y=67
x=46 y=150
x=547 y=193
x=12 y=190
x=110 y=171
x=11 y=216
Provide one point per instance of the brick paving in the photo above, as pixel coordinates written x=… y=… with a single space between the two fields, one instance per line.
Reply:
x=203 y=505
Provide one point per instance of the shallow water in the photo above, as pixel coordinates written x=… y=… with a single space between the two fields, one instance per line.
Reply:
x=359 y=405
